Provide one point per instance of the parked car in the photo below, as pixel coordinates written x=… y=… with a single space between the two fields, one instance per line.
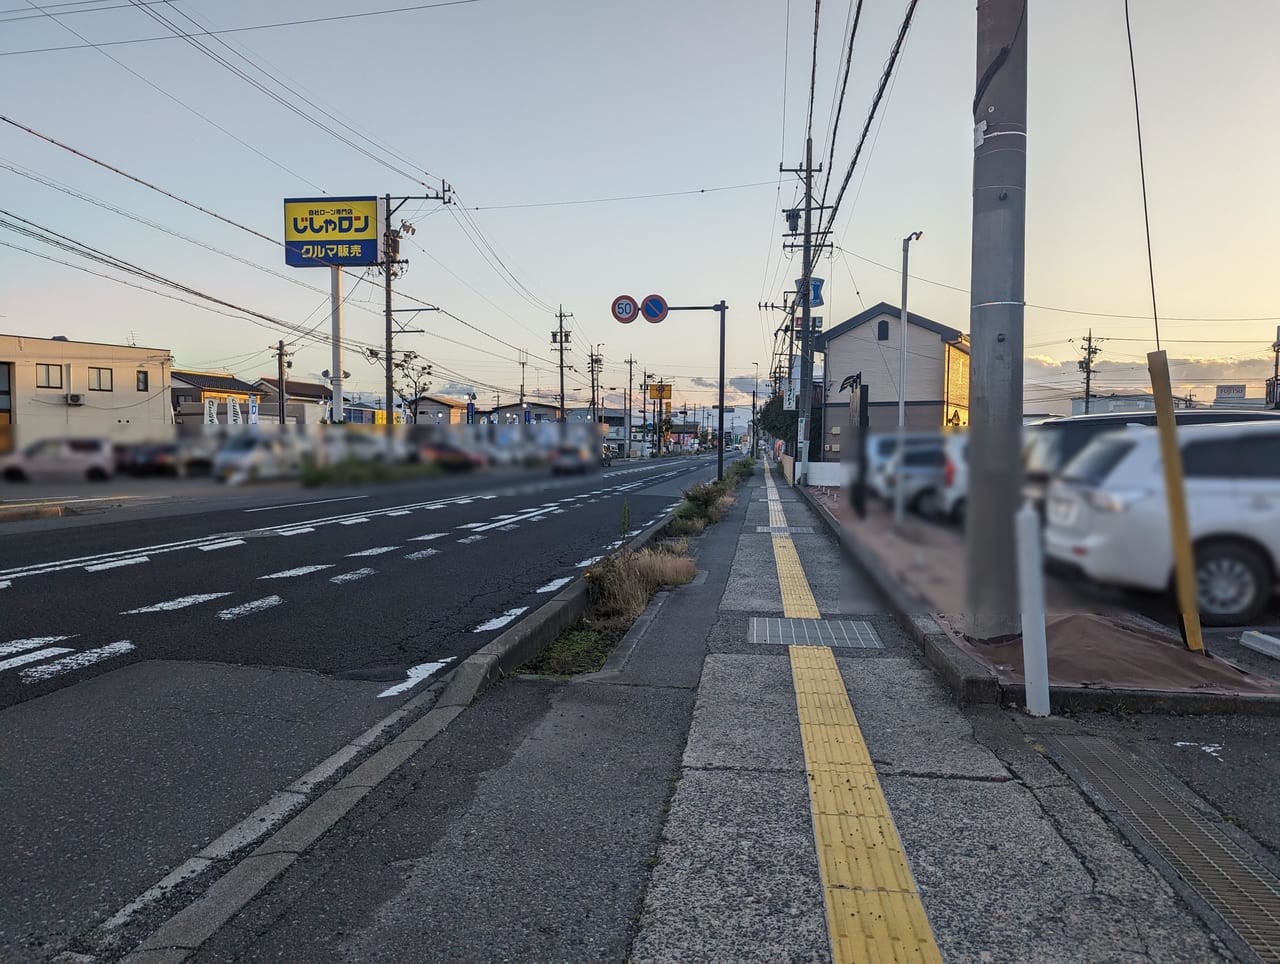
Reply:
x=1052 y=443
x=953 y=497
x=880 y=449
x=920 y=470
x=250 y=458
x=570 y=459
x=1108 y=518
x=61 y=458
x=450 y=458
x=158 y=459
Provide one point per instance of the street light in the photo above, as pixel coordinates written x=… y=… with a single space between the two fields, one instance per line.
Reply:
x=899 y=489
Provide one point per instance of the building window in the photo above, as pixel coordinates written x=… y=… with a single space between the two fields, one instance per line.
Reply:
x=882 y=331
x=100 y=379
x=143 y=382
x=48 y=376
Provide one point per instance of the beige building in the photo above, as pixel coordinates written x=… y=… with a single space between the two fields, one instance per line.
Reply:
x=56 y=387
x=937 y=389
x=440 y=409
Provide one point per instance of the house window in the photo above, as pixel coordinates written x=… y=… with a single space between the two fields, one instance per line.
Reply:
x=882 y=331
x=143 y=381
x=100 y=379
x=48 y=376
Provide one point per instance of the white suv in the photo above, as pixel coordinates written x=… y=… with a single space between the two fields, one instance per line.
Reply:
x=1108 y=518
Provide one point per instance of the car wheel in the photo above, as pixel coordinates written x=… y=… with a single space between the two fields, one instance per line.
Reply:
x=14 y=475
x=957 y=513
x=927 y=504
x=96 y=474
x=1233 y=582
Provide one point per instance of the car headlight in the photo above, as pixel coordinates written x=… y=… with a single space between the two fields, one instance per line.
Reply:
x=1116 y=500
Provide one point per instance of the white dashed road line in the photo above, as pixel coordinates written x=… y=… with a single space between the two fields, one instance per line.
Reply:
x=297 y=532
x=353 y=522
x=222 y=545
x=429 y=536
x=377 y=551
x=352 y=576
x=422 y=554
x=75 y=661
x=291 y=573
x=247 y=609
x=497 y=622
x=588 y=562
x=181 y=602
x=470 y=539
x=116 y=564
x=18 y=645
x=399 y=512
x=555 y=584
x=38 y=655
x=298 y=505
x=471 y=525
x=416 y=675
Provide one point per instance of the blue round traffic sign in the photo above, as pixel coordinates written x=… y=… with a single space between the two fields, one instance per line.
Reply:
x=654 y=308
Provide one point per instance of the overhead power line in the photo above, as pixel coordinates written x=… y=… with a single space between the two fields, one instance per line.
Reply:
x=625 y=197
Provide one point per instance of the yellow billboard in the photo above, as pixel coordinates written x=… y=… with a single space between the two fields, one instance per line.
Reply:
x=320 y=232
x=659 y=391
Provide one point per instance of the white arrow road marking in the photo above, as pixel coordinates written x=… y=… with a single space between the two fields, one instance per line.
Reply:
x=257 y=606
x=33 y=657
x=422 y=554
x=180 y=603
x=18 y=645
x=291 y=573
x=222 y=545
x=429 y=536
x=352 y=576
x=416 y=675
x=555 y=584
x=497 y=622
x=379 y=550
x=588 y=562
x=75 y=661
x=116 y=564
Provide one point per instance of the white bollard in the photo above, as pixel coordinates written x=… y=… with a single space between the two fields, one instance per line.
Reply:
x=1035 y=654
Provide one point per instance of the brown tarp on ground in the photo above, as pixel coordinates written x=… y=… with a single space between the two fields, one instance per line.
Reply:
x=1089 y=650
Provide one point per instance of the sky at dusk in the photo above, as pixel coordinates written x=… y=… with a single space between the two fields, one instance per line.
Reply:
x=524 y=104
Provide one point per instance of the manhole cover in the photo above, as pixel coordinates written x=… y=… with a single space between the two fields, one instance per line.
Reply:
x=784 y=530
x=840 y=633
x=1235 y=885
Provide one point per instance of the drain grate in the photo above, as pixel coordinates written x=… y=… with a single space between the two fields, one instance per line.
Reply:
x=840 y=633
x=785 y=530
x=1234 y=885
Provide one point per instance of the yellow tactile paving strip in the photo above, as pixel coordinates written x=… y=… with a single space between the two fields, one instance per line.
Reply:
x=874 y=912
x=797 y=597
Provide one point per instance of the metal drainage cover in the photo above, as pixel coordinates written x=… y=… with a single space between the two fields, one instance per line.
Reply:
x=785 y=530
x=1235 y=885
x=841 y=633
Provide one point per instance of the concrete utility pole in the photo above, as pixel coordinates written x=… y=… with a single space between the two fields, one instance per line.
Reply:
x=523 y=358
x=755 y=429
x=560 y=340
x=992 y=611
x=1085 y=364
x=805 y=403
x=1275 y=378
x=280 y=391
x=900 y=489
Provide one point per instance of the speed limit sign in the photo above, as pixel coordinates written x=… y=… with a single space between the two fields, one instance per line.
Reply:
x=625 y=309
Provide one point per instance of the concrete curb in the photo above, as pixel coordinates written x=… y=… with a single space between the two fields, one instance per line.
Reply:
x=25 y=513
x=972 y=682
x=968 y=680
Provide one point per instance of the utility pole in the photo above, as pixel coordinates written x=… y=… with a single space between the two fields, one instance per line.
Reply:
x=997 y=296
x=900 y=489
x=1275 y=378
x=755 y=428
x=595 y=363
x=801 y=475
x=560 y=341
x=1085 y=364
x=280 y=376
x=524 y=360
x=631 y=364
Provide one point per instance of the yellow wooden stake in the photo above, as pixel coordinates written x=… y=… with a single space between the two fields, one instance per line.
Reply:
x=1184 y=565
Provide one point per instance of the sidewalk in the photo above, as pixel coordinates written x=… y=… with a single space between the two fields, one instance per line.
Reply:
x=711 y=796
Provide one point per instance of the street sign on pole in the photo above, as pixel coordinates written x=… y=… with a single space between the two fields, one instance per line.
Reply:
x=815 y=292
x=654 y=308
x=625 y=309
x=326 y=231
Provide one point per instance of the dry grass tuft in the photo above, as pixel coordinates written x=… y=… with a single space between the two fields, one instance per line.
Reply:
x=622 y=585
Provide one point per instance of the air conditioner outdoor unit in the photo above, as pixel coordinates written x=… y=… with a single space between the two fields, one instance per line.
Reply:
x=75 y=398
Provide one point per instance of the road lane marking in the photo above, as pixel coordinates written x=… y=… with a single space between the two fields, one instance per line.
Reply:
x=222 y=545
x=75 y=661
x=297 y=505
x=429 y=536
x=874 y=911
x=352 y=576
x=18 y=645
x=116 y=564
x=300 y=571
x=422 y=554
x=555 y=584
x=353 y=522
x=587 y=562
x=508 y=528
x=5 y=584
x=247 y=609
x=471 y=525
x=470 y=539
x=497 y=622
x=399 y=512
x=296 y=532
x=33 y=657
x=377 y=551
x=181 y=602
x=504 y=518
x=416 y=674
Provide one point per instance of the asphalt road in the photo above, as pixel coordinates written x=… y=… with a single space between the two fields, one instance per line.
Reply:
x=163 y=672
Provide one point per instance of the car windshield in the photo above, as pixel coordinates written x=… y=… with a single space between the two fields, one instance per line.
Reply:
x=1096 y=460
x=1042 y=452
